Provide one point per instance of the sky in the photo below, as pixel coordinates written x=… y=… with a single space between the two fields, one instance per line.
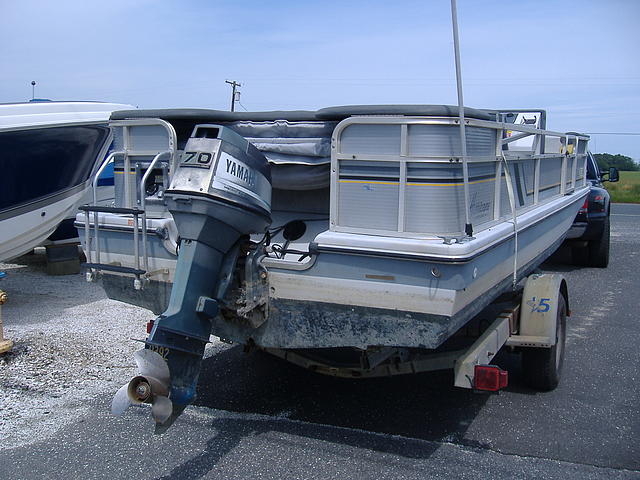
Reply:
x=579 y=60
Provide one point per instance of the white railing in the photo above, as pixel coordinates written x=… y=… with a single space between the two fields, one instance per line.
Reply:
x=569 y=149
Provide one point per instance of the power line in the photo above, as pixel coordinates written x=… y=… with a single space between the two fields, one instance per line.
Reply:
x=613 y=133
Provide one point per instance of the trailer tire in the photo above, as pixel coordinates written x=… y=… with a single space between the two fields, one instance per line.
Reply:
x=542 y=366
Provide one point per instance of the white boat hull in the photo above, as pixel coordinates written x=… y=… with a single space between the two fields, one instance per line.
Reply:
x=21 y=233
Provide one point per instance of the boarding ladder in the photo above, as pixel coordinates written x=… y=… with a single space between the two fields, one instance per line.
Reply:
x=137 y=154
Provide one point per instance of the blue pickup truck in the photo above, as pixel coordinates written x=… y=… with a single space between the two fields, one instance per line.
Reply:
x=589 y=235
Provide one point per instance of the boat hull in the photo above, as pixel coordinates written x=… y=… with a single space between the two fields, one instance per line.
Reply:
x=312 y=309
x=23 y=229
x=346 y=299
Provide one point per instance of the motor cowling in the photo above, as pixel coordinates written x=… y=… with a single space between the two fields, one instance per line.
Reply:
x=226 y=180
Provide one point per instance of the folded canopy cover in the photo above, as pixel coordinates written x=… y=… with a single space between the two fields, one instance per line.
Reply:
x=297 y=143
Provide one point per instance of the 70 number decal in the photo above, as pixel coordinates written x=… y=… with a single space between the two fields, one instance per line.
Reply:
x=196 y=159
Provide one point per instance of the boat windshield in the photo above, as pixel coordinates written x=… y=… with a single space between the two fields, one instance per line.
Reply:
x=45 y=161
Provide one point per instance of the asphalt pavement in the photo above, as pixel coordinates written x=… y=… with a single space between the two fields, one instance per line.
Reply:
x=259 y=417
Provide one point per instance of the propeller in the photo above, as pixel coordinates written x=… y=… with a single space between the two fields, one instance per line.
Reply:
x=151 y=385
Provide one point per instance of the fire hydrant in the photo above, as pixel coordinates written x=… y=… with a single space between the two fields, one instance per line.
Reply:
x=5 y=345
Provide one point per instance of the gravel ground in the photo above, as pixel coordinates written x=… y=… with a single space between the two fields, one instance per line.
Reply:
x=71 y=345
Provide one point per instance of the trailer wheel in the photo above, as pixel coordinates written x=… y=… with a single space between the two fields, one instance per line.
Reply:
x=542 y=366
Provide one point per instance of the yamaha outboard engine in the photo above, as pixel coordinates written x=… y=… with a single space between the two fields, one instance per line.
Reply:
x=219 y=194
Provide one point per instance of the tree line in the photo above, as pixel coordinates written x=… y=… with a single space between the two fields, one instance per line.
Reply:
x=621 y=162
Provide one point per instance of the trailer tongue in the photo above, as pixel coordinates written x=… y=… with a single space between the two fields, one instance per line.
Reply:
x=220 y=193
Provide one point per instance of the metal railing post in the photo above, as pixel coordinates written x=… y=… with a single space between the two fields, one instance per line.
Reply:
x=108 y=160
x=468 y=228
x=143 y=182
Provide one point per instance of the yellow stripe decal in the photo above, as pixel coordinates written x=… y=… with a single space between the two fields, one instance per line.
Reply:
x=366 y=181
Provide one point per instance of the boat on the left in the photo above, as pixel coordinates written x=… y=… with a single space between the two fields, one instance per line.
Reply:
x=49 y=153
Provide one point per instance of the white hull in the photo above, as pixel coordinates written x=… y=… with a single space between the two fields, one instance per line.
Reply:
x=22 y=233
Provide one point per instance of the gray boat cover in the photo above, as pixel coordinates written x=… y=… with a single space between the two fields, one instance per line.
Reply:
x=297 y=143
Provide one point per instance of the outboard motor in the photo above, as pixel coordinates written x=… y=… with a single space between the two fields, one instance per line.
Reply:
x=219 y=194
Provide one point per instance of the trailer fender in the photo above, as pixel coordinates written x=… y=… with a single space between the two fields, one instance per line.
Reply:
x=539 y=309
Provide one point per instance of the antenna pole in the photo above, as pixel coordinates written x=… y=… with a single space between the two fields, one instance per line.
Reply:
x=468 y=228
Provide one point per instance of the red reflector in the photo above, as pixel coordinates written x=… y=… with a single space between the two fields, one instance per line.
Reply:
x=149 y=326
x=489 y=378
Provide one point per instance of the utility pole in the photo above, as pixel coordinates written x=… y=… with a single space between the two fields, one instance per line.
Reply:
x=233 y=84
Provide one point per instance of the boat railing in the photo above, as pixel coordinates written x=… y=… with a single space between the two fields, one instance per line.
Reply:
x=143 y=200
x=130 y=196
x=389 y=175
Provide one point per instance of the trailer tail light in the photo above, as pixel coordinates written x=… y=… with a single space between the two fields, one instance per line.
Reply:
x=149 y=326
x=489 y=378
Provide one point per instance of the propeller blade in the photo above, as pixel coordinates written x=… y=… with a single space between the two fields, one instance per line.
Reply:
x=120 y=400
x=152 y=364
x=161 y=409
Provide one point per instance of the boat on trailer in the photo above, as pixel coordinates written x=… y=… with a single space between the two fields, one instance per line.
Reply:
x=351 y=240
x=48 y=155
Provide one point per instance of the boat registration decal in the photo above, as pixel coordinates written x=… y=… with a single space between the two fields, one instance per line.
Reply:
x=162 y=351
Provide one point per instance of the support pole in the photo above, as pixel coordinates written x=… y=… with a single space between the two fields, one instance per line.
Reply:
x=468 y=228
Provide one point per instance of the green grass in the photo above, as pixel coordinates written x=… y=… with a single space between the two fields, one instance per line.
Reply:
x=627 y=190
